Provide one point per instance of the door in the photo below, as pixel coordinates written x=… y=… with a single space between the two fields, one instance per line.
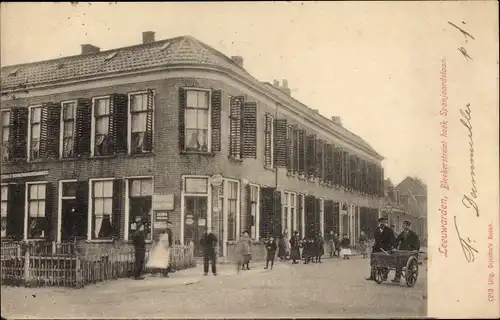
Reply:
x=195 y=221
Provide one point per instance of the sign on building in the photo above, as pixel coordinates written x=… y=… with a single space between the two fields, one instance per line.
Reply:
x=163 y=202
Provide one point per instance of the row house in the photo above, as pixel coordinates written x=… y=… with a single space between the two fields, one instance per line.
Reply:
x=173 y=129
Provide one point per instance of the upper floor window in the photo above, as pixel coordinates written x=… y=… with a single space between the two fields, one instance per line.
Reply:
x=197 y=120
x=68 y=121
x=34 y=136
x=269 y=141
x=101 y=119
x=141 y=121
x=6 y=131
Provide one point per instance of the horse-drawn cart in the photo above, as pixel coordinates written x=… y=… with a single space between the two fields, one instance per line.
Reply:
x=406 y=261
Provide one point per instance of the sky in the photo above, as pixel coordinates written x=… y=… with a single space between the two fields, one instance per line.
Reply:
x=368 y=63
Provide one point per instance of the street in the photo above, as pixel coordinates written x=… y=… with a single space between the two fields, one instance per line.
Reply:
x=335 y=288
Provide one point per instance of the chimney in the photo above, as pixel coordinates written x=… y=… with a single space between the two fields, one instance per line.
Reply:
x=284 y=87
x=337 y=120
x=148 y=37
x=89 y=49
x=276 y=83
x=238 y=60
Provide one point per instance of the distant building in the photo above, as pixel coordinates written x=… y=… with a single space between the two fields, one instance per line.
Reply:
x=407 y=201
x=95 y=142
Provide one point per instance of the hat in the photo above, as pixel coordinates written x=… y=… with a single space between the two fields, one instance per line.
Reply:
x=382 y=219
x=407 y=222
x=168 y=222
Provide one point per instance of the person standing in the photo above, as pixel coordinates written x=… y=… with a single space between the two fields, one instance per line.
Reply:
x=362 y=244
x=336 y=243
x=319 y=246
x=384 y=241
x=330 y=243
x=407 y=240
x=159 y=259
x=139 y=242
x=271 y=248
x=243 y=252
x=295 y=248
x=208 y=243
x=345 y=247
x=282 y=248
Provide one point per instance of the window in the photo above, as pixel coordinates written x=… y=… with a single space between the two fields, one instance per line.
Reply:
x=36 y=210
x=68 y=119
x=254 y=210
x=140 y=199
x=289 y=213
x=285 y=213
x=232 y=203
x=71 y=223
x=3 y=209
x=293 y=213
x=102 y=209
x=35 y=127
x=197 y=120
x=269 y=141
x=6 y=147
x=101 y=126
x=322 y=216
x=235 y=126
x=301 y=219
x=141 y=121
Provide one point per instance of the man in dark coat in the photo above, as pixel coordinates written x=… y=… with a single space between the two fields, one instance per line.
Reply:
x=209 y=242
x=294 y=247
x=384 y=241
x=407 y=240
x=170 y=242
x=320 y=249
x=271 y=248
x=139 y=242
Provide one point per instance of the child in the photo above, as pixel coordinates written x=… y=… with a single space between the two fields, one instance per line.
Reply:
x=271 y=248
x=345 y=247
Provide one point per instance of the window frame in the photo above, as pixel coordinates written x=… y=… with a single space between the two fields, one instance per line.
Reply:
x=93 y=124
x=185 y=194
x=322 y=216
x=256 y=227
x=26 y=206
x=271 y=133
x=128 y=180
x=209 y=121
x=90 y=210
x=9 y=110
x=60 y=199
x=6 y=200
x=28 y=142
x=237 y=214
x=61 y=128
x=129 y=120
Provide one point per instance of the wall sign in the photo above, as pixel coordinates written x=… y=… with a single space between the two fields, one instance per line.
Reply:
x=161 y=215
x=216 y=180
x=196 y=185
x=163 y=202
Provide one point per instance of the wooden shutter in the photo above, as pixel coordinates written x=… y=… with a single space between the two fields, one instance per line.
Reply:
x=280 y=148
x=148 y=139
x=302 y=151
x=289 y=143
x=266 y=212
x=216 y=119
x=249 y=147
x=329 y=224
x=268 y=142
x=15 y=211
x=311 y=155
x=382 y=178
x=329 y=163
x=19 y=125
x=182 y=119
x=310 y=209
x=336 y=216
x=83 y=127
x=249 y=219
x=317 y=210
x=82 y=199
x=118 y=124
x=118 y=200
x=54 y=128
x=50 y=225
x=235 y=122
x=296 y=159
x=44 y=132
x=277 y=227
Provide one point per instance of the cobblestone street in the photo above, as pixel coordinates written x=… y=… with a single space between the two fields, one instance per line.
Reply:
x=335 y=288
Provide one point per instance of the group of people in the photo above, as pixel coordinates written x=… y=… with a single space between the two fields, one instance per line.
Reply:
x=387 y=240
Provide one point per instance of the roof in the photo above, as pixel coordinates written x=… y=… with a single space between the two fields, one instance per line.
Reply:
x=417 y=187
x=176 y=51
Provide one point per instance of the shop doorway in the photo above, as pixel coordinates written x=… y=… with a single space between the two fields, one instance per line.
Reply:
x=195 y=221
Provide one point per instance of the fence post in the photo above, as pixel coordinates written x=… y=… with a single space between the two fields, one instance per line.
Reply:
x=26 y=267
x=78 y=272
x=53 y=247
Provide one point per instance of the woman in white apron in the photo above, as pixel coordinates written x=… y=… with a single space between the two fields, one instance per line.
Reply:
x=159 y=258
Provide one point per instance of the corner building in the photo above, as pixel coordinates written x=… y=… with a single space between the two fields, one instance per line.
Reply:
x=173 y=129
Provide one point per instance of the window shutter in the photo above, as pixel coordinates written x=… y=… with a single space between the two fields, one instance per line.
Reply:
x=118 y=124
x=317 y=209
x=182 y=119
x=268 y=140
x=15 y=211
x=311 y=155
x=249 y=219
x=54 y=129
x=266 y=212
x=249 y=148
x=280 y=152
x=216 y=119
x=365 y=177
x=310 y=215
x=44 y=133
x=83 y=127
x=277 y=214
x=235 y=124
x=50 y=217
x=296 y=159
x=382 y=178
x=329 y=225
x=302 y=151
x=338 y=166
x=289 y=143
x=148 y=139
x=82 y=200
x=20 y=130
x=357 y=176
x=336 y=216
x=118 y=197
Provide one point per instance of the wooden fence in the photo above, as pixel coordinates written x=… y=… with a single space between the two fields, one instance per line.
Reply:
x=61 y=264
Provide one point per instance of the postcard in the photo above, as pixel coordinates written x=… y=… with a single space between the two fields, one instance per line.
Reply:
x=313 y=159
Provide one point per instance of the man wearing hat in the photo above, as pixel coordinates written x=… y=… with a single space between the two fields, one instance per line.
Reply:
x=384 y=240
x=407 y=240
x=139 y=242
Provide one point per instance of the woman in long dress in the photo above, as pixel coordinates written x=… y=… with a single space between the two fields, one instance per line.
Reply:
x=345 y=247
x=282 y=248
x=159 y=259
x=243 y=252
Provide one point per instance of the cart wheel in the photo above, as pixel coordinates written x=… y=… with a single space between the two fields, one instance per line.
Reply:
x=378 y=275
x=411 y=271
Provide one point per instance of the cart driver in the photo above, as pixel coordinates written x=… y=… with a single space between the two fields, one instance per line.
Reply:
x=384 y=240
x=407 y=240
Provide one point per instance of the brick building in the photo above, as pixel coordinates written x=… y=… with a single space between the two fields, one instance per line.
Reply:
x=173 y=128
